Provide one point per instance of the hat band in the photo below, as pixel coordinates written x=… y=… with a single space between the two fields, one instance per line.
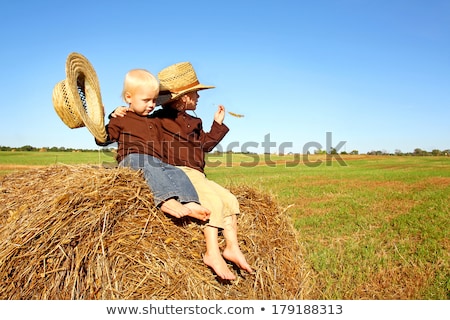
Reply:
x=191 y=85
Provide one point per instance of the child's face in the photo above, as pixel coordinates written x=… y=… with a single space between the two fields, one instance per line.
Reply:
x=143 y=100
x=191 y=100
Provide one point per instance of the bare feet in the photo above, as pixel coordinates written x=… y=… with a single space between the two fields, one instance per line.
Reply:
x=232 y=252
x=213 y=257
x=197 y=211
x=192 y=209
x=220 y=267
x=174 y=208
x=235 y=255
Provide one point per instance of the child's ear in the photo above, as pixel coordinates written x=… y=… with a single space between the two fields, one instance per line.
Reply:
x=128 y=97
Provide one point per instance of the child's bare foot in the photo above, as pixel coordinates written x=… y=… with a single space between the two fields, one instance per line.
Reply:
x=174 y=208
x=197 y=211
x=236 y=256
x=219 y=266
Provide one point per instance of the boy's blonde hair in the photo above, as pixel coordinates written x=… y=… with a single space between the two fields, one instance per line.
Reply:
x=138 y=78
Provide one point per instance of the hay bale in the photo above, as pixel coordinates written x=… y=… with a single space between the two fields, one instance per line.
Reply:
x=80 y=232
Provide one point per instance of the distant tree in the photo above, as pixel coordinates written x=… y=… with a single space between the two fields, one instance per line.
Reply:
x=319 y=151
x=375 y=153
x=436 y=152
x=26 y=148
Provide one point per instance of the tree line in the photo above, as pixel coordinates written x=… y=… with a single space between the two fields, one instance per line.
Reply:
x=44 y=149
x=397 y=152
x=416 y=152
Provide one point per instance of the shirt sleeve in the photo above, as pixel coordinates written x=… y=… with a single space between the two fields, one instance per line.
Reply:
x=212 y=138
x=112 y=132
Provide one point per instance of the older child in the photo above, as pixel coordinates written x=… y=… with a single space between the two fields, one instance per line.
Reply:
x=185 y=144
x=138 y=141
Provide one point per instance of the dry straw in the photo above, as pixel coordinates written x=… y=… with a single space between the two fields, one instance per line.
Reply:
x=79 y=232
x=77 y=99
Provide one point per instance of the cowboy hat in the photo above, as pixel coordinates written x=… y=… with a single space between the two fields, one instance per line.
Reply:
x=77 y=99
x=176 y=80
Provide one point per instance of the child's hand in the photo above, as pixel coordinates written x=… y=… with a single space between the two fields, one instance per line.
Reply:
x=220 y=114
x=119 y=112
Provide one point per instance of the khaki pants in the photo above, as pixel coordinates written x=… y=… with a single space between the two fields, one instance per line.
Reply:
x=213 y=196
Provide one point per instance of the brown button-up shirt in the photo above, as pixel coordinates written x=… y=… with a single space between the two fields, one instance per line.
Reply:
x=134 y=134
x=184 y=140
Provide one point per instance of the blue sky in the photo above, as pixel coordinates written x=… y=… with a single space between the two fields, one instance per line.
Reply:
x=375 y=74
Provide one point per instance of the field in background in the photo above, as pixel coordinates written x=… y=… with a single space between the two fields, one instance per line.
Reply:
x=372 y=227
x=20 y=160
x=375 y=228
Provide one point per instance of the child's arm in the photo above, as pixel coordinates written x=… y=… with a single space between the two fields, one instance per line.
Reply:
x=112 y=133
x=118 y=112
x=218 y=131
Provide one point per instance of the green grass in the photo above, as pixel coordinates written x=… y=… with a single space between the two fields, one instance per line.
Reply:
x=376 y=228
x=9 y=161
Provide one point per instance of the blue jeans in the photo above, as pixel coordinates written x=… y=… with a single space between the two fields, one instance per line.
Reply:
x=165 y=181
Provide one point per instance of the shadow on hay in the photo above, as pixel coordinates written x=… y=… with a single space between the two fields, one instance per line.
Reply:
x=80 y=232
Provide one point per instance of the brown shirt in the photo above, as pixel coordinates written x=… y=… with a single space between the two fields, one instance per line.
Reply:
x=134 y=134
x=184 y=141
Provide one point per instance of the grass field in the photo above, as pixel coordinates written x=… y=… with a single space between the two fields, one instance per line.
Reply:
x=10 y=161
x=374 y=228
x=377 y=228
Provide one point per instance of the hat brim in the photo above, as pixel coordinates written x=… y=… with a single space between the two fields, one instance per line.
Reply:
x=80 y=104
x=165 y=97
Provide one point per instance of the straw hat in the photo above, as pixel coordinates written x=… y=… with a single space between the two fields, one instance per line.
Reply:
x=176 y=80
x=77 y=99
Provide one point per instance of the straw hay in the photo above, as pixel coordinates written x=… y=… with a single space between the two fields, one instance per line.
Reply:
x=80 y=232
